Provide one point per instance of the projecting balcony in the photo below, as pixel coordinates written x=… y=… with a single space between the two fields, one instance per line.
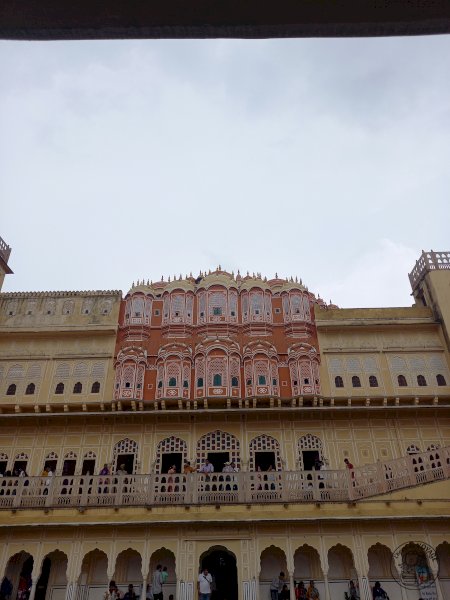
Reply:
x=87 y=491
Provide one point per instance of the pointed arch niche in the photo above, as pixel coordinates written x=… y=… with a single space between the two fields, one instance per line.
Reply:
x=341 y=569
x=93 y=578
x=128 y=570
x=166 y=558
x=307 y=566
x=19 y=565
x=218 y=446
x=171 y=450
x=265 y=450
x=309 y=448
x=52 y=580
x=272 y=563
x=126 y=452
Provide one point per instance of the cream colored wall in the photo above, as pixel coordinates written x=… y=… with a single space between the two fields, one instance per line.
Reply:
x=364 y=437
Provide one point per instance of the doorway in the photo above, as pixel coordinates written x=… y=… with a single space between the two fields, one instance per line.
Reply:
x=222 y=566
x=50 y=465
x=41 y=587
x=19 y=464
x=3 y=466
x=88 y=467
x=218 y=459
x=309 y=459
x=264 y=460
x=128 y=461
x=69 y=467
x=170 y=459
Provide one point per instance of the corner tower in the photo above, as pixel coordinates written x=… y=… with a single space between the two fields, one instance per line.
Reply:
x=5 y=251
x=430 y=282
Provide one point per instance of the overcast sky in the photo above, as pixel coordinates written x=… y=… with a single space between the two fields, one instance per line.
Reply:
x=325 y=159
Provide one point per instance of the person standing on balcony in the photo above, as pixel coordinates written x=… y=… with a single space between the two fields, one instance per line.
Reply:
x=188 y=468
x=300 y=591
x=276 y=586
x=204 y=585
x=350 y=467
x=112 y=593
x=130 y=594
x=207 y=467
x=157 y=583
x=312 y=592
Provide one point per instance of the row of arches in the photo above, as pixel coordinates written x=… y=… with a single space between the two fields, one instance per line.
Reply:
x=331 y=570
x=59 y=388
x=217 y=370
x=216 y=446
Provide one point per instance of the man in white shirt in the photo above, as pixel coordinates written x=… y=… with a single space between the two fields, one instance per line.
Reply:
x=207 y=467
x=157 y=583
x=204 y=585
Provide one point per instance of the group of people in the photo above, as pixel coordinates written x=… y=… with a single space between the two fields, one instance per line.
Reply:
x=154 y=589
x=280 y=591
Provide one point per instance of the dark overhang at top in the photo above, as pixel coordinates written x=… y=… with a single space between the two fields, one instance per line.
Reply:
x=114 y=19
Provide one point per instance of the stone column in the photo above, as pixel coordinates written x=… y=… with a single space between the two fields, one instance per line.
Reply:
x=327 y=586
x=71 y=590
x=291 y=585
x=33 y=588
x=364 y=588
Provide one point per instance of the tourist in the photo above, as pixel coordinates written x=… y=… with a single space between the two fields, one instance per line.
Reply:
x=165 y=574
x=227 y=468
x=312 y=592
x=6 y=589
x=377 y=592
x=187 y=468
x=207 y=467
x=300 y=591
x=352 y=591
x=122 y=470
x=103 y=472
x=284 y=594
x=112 y=593
x=276 y=586
x=349 y=466
x=204 y=583
x=130 y=594
x=157 y=583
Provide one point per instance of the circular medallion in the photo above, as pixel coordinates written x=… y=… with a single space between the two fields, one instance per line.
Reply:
x=410 y=567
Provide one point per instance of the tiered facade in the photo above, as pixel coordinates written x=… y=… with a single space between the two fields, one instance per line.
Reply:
x=225 y=368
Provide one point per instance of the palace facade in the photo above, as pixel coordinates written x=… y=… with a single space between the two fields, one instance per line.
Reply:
x=225 y=368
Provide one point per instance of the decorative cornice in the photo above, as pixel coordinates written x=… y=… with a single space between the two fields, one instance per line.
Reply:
x=60 y=294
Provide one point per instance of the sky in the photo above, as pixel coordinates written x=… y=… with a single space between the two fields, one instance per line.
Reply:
x=326 y=159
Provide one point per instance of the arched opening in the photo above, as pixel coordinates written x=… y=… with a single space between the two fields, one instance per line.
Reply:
x=221 y=563
x=443 y=556
x=93 y=579
x=126 y=453
x=307 y=567
x=218 y=447
x=380 y=559
x=129 y=570
x=165 y=558
x=18 y=573
x=341 y=570
x=52 y=581
x=272 y=562
x=309 y=451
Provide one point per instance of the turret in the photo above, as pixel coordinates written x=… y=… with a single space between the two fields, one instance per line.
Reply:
x=5 y=251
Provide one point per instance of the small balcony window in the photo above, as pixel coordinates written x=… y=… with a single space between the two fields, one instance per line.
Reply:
x=373 y=381
x=249 y=382
x=339 y=382
x=440 y=380
x=11 y=391
x=185 y=383
x=31 y=388
x=356 y=382
x=200 y=382
x=95 y=389
x=172 y=382
x=262 y=380
x=77 y=388
x=401 y=380
x=234 y=382
x=217 y=380
x=274 y=381
x=421 y=381
x=59 y=388
x=217 y=311
x=159 y=385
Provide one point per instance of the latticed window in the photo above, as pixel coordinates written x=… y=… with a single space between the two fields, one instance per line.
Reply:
x=373 y=381
x=234 y=382
x=309 y=443
x=338 y=381
x=34 y=371
x=440 y=380
x=172 y=382
x=200 y=382
x=126 y=446
x=77 y=388
x=95 y=389
x=98 y=370
x=356 y=382
x=189 y=308
x=232 y=305
x=166 y=309
x=244 y=304
x=421 y=381
x=296 y=305
x=201 y=307
x=217 y=371
x=59 y=388
x=217 y=303
x=218 y=441
x=173 y=373
x=401 y=380
x=265 y=443
x=128 y=376
x=178 y=304
x=63 y=370
x=170 y=445
x=257 y=305
x=80 y=370
x=11 y=391
x=200 y=371
x=31 y=388
x=16 y=372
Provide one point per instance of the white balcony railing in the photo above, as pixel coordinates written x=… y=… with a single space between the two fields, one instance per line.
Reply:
x=87 y=491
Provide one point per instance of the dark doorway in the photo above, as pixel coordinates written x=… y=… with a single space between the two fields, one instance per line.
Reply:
x=222 y=566
x=88 y=466
x=309 y=458
x=51 y=465
x=69 y=467
x=19 y=464
x=128 y=461
x=168 y=460
x=218 y=459
x=265 y=460
x=3 y=465
x=41 y=587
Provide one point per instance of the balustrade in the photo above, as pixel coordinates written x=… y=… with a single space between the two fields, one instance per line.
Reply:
x=86 y=491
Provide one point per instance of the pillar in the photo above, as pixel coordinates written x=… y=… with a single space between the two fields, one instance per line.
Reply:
x=327 y=586
x=364 y=588
x=71 y=590
x=291 y=585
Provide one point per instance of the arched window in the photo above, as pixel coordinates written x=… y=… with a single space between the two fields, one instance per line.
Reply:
x=234 y=382
x=356 y=382
x=402 y=381
x=59 y=388
x=200 y=382
x=339 y=382
x=185 y=383
x=95 y=389
x=77 y=388
x=30 y=389
x=11 y=391
x=159 y=384
x=440 y=380
x=373 y=381
x=261 y=380
x=217 y=380
x=421 y=381
x=172 y=382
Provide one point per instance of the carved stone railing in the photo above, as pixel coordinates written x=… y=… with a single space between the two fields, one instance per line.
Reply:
x=429 y=261
x=89 y=491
